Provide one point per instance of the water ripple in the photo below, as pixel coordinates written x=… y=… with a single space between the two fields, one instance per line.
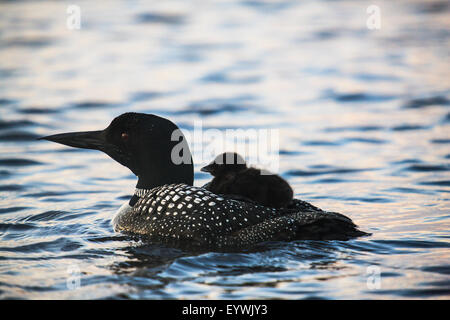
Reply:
x=425 y=168
x=352 y=139
x=18 y=162
x=18 y=136
x=329 y=170
x=427 y=102
x=160 y=18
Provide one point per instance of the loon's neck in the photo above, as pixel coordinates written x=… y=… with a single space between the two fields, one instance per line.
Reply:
x=141 y=192
x=138 y=193
x=162 y=170
x=183 y=173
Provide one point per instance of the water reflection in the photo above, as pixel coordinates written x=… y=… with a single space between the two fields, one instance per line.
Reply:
x=362 y=116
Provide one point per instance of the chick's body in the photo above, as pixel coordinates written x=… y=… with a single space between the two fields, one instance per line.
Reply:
x=235 y=178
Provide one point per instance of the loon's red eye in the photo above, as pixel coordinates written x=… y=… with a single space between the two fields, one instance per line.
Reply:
x=125 y=136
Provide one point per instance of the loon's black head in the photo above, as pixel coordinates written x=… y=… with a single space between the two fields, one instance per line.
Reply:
x=152 y=147
x=225 y=163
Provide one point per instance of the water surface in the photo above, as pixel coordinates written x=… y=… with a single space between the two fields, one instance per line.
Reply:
x=363 y=118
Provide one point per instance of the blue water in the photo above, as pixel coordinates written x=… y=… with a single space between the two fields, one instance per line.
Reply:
x=364 y=129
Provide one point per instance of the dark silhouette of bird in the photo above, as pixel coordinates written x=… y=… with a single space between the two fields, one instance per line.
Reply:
x=232 y=176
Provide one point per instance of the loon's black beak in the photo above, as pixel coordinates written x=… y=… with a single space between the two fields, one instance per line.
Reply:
x=95 y=140
x=85 y=139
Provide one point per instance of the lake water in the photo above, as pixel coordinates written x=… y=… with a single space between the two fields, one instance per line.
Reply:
x=364 y=129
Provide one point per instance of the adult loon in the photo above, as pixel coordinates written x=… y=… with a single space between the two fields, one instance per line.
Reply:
x=233 y=177
x=168 y=209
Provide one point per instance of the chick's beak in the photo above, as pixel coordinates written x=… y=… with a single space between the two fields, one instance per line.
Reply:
x=208 y=168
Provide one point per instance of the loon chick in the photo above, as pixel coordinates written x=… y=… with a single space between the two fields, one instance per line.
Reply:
x=233 y=177
x=168 y=209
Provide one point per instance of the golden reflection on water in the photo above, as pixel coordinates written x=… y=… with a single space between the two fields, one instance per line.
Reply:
x=295 y=70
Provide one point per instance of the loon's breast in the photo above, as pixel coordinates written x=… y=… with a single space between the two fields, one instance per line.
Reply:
x=178 y=213
x=124 y=210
